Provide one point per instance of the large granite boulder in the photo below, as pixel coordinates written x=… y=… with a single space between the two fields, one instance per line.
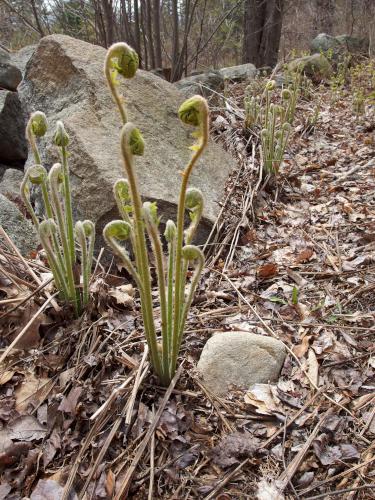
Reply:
x=338 y=46
x=64 y=79
x=13 y=148
x=239 y=73
x=315 y=66
x=20 y=230
x=10 y=183
x=22 y=57
x=10 y=76
x=240 y=359
x=4 y=56
x=206 y=84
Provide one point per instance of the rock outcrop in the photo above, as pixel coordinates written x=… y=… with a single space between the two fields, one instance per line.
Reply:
x=10 y=76
x=204 y=84
x=13 y=148
x=240 y=359
x=10 y=183
x=20 y=230
x=64 y=79
x=22 y=57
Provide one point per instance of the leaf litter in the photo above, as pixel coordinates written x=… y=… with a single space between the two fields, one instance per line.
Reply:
x=82 y=416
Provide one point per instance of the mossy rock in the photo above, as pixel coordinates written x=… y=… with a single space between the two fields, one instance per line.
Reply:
x=337 y=47
x=315 y=66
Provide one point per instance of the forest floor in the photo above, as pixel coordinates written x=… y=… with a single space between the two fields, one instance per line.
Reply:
x=80 y=407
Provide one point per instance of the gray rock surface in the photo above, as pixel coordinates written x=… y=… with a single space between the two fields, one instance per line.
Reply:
x=10 y=183
x=3 y=168
x=64 y=79
x=240 y=359
x=354 y=45
x=203 y=84
x=4 y=56
x=315 y=66
x=13 y=148
x=339 y=45
x=22 y=57
x=10 y=76
x=19 y=229
x=239 y=73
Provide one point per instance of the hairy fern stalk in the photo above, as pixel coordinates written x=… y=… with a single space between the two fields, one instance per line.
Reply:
x=57 y=232
x=140 y=222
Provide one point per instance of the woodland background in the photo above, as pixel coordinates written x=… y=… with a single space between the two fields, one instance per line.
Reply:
x=190 y=35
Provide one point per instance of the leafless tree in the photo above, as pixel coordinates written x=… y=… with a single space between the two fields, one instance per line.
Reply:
x=325 y=13
x=262 y=31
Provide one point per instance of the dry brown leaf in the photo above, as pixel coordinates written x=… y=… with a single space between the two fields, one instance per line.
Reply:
x=313 y=367
x=301 y=349
x=31 y=337
x=268 y=491
x=65 y=377
x=123 y=295
x=234 y=448
x=25 y=428
x=296 y=277
x=9 y=288
x=33 y=390
x=6 y=376
x=69 y=404
x=263 y=397
x=47 y=489
x=110 y=483
x=4 y=490
x=267 y=270
x=304 y=256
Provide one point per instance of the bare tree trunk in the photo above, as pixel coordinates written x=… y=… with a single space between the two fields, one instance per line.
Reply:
x=157 y=33
x=186 y=35
x=143 y=30
x=200 y=34
x=36 y=17
x=125 y=25
x=262 y=31
x=109 y=21
x=100 y=28
x=253 y=26
x=271 y=33
x=150 y=41
x=175 y=40
x=325 y=12
x=137 y=28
